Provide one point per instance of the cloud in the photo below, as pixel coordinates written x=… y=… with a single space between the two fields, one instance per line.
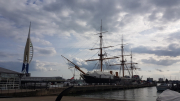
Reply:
x=51 y=69
x=92 y=65
x=44 y=66
x=34 y=66
x=163 y=62
x=42 y=41
x=83 y=64
x=47 y=51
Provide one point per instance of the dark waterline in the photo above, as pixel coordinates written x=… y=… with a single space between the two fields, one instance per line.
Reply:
x=139 y=94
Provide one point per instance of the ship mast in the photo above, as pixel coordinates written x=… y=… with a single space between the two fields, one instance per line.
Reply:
x=131 y=65
x=132 y=68
x=123 y=61
x=77 y=67
x=101 y=55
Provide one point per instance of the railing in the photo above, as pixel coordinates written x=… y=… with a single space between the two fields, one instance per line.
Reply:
x=9 y=86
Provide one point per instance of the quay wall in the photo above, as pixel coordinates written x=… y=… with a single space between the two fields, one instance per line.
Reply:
x=106 y=87
x=76 y=89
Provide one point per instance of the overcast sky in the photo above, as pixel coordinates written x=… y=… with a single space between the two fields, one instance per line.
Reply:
x=150 y=28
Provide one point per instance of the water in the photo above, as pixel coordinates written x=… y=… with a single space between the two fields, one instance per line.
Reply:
x=139 y=94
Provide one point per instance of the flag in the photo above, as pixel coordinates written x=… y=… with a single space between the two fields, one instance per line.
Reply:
x=72 y=78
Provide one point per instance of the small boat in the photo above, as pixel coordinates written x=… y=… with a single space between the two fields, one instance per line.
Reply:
x=168 y=95
x=162 y=87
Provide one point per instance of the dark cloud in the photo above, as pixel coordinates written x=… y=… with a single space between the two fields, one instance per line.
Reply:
x=45 y=51
x=125 y=20
x=19 y=59
x=90 y=12
x=173 y=37
x=163 y=62
x=159 y=70
x=165 y=3
x=59 y=17
x=172 y=50
x=167 y=8
x=136 y=7
x=4 y=54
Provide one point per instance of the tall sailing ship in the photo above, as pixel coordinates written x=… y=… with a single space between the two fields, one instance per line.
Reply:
x=101 y=76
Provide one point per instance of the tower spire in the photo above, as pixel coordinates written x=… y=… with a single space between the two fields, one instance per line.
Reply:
x=28 y=53
x=29 y=30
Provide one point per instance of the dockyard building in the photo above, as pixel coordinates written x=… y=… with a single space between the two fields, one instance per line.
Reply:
x=9 y=79
x=161 y=80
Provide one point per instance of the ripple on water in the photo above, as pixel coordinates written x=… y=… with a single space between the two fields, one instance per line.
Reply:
x=139 y=94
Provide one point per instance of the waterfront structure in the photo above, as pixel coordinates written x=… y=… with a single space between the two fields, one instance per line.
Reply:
x=160 y=79
x=40 y=82
x=9 y=79
x=40 y=79
x=150 y=79
x=28 y=54
x=136 y=77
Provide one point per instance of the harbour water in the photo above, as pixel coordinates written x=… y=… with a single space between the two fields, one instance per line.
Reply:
x=139 y=94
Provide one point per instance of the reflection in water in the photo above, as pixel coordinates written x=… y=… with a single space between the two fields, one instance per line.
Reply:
x=133 y=97
x=139 y=94
x=124 y=94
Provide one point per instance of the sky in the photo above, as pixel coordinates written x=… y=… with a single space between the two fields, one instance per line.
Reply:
x=150 y=29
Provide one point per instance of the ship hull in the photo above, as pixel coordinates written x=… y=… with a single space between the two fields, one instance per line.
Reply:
x=91 y=79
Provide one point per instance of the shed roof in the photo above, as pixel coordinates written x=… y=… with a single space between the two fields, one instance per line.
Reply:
x=4 y=70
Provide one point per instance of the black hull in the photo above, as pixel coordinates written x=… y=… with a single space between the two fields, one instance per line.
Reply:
x=91 y=79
